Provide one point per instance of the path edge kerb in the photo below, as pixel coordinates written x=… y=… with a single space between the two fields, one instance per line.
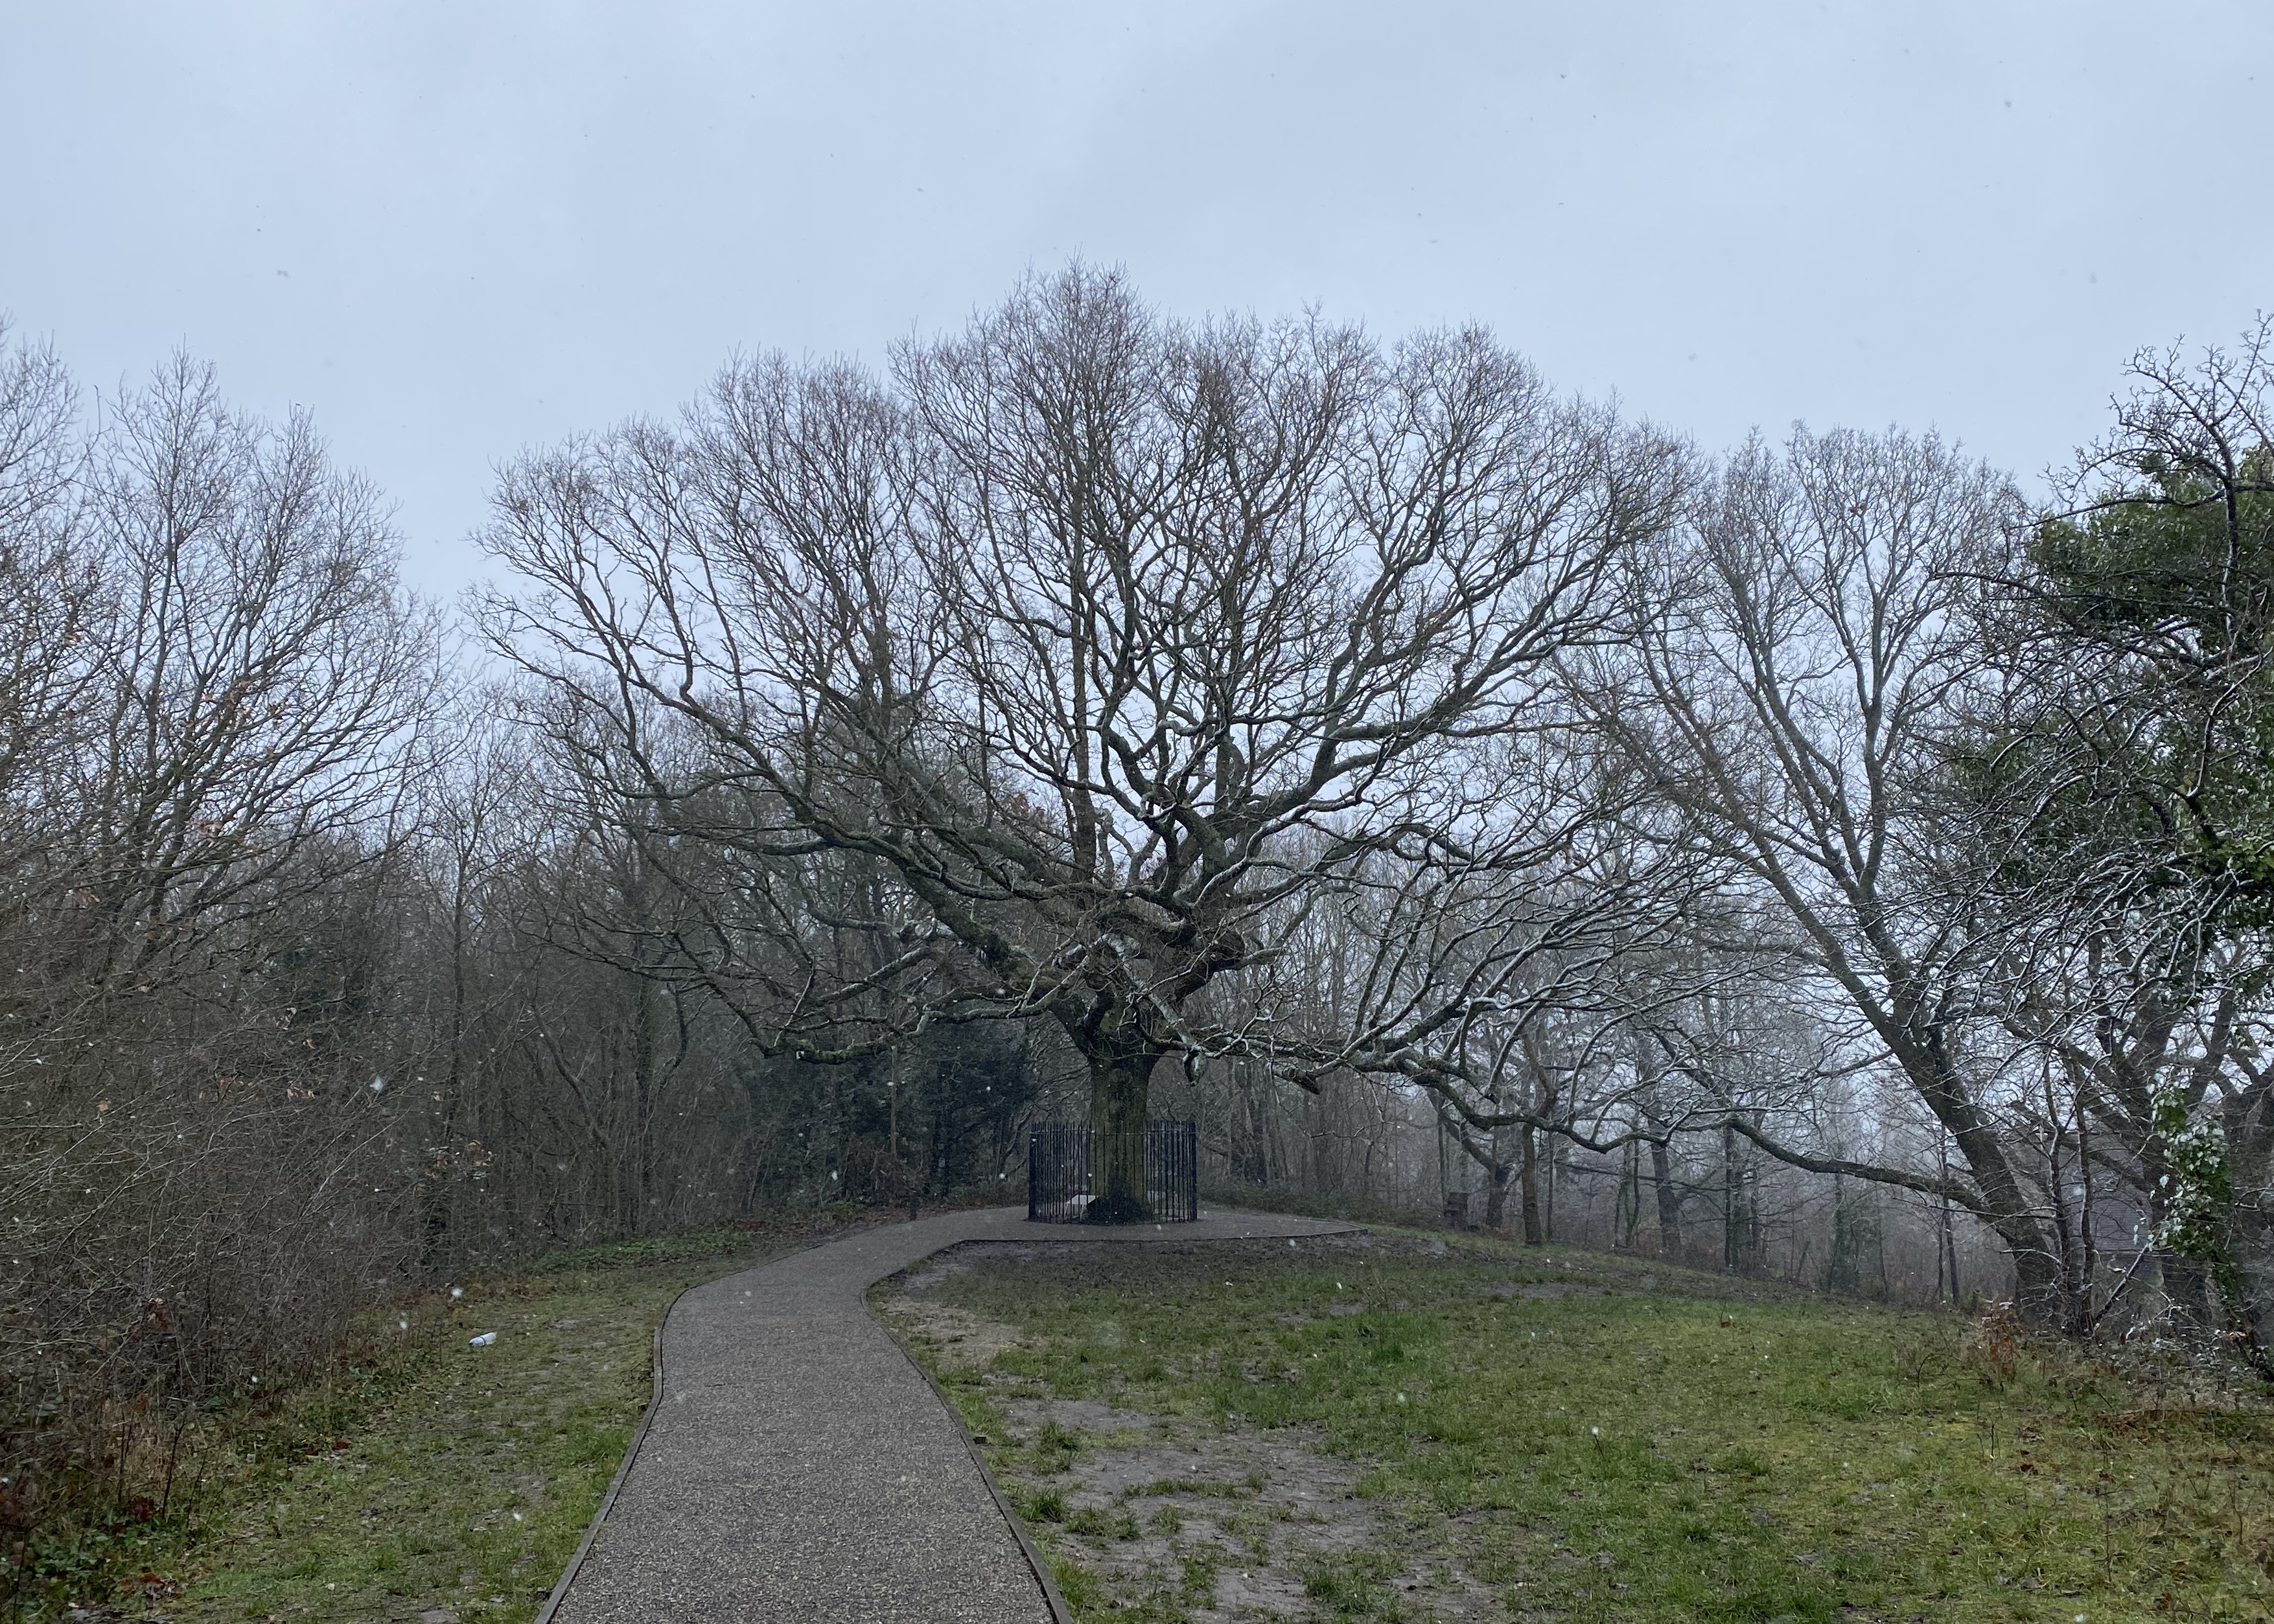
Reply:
x=623 y=1466
x=1060 y=1613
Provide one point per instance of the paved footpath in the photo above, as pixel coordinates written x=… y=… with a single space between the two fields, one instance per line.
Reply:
x=799 y=1467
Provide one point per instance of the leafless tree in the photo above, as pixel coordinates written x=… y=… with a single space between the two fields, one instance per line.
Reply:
x=1114 y=642
x=1799 y=674
x=211 y=682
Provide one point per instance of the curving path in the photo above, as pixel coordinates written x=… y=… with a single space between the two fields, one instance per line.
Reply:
x=796 y=1466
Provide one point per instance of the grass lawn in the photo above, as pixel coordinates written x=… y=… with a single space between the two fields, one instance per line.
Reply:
x=424 y=1479
x=1388 y=1426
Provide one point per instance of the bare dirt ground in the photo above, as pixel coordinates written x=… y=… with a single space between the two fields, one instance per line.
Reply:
x=1233 y=1525
x=1213 y=1527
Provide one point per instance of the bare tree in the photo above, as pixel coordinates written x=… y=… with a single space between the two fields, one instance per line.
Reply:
x=1801 y=668
x=264 y=674
x=207 y=692
x=1114 y=643
x=51 y=583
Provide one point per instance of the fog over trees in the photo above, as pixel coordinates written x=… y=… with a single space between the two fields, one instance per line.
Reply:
x=1812 y=858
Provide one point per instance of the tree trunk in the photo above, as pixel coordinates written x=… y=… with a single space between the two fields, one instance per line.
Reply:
x=1503 y=1149
x=1840 y=1270
x=1626 y=1211
x=2009 y=1210
x=1554 y=1164
x=1533 y=1234
x=1117 y=1084
x=1496 y=1197
x=1669 y=1202
x=2036 y=1272
x=1733 y=1210
x=2091 y=1270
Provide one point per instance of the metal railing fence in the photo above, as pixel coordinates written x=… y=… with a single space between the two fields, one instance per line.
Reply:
x=1065 y=1159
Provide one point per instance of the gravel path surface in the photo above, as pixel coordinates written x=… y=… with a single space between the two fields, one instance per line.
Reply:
x=799 y=1467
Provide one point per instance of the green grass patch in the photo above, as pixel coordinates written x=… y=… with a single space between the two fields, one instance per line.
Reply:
x=1668 y=1451
x=421 y=1475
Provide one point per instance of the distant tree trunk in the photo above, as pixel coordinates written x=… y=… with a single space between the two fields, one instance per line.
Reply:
x=1444 y=1171
x=1534 y=1235
x=1945 y=1258
x=1626 y=1211
x=915 y=1177
x=1840 y=1272
x=1555 y=1165
x=1669 y=1202
x=1732 y=1203
x=1490 y=1151
x=2084 y=1323
x=933 y=1175
x=2069 y=1245
x=1945 y=1237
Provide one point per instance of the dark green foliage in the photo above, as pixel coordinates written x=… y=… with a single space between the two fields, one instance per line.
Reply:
x=2162 y=591
x=965 y=1092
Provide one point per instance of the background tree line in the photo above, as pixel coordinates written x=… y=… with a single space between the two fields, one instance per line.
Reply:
x=1811 y=859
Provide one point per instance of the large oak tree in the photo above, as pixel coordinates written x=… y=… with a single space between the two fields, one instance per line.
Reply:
x=1106 y=647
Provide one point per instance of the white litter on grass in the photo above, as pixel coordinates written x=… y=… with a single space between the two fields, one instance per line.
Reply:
x=483 y=1340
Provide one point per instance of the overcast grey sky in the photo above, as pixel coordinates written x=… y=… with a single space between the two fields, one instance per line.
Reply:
x=456 y=230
